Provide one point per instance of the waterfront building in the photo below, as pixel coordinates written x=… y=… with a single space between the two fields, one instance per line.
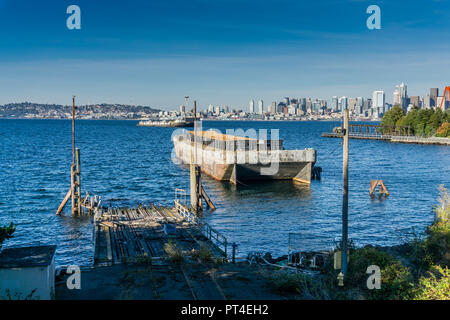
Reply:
x=210 y=108
x=292 y=109
x=182 y=109
x=252 y=106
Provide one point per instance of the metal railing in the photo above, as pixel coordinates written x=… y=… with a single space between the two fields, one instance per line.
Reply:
x=219 y=240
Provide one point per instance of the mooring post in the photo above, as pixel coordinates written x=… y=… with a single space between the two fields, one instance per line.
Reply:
x=78 y=180
x=233 y=257
x=345 y=195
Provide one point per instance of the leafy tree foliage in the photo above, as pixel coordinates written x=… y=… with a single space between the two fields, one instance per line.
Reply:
x=6 y=232
x=422 y=122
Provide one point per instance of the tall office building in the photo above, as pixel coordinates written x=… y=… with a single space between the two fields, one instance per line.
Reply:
x=261 y=107
x=211 y=108
x=334 y=104
x=434 y=93
x=397 y=101
x=182 y=109
x=273 y=108
x=344 y=103
x=427 y=101
x=415 y=101
x=378 y=101
x=403 y=93
x=252 y=106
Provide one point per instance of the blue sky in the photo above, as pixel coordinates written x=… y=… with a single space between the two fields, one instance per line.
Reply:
x=219 y=52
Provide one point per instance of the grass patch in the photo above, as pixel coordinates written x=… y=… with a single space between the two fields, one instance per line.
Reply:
x=173 y=253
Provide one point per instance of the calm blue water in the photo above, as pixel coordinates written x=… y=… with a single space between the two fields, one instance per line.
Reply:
x=126 y=164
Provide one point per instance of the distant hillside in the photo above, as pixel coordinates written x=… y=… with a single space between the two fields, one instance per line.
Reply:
x=53 y=111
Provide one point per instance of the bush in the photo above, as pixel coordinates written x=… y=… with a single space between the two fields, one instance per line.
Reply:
x=204 y=254
x=434 y=287
x=443 y=130
x=173 y=253
x=6 y=232
x=308 y=286
x=395 y=278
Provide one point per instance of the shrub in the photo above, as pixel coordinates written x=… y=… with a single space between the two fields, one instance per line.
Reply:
x=308 y=286
x=173 y=253
x=443 y=130
x=204 y=254
x=6 y=232
x=434 y=287
x=395 y=278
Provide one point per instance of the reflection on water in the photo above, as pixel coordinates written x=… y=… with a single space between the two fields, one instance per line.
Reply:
x=127 y=165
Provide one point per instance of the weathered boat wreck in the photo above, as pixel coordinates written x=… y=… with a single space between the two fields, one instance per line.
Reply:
x=241 y=159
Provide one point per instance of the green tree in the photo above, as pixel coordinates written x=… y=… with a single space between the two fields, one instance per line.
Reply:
x=391 y=118
x=6 y=233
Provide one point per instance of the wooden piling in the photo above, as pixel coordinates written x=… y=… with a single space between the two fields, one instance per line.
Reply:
x=345 y=193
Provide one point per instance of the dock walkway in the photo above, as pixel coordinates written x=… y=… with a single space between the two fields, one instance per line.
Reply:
x=392 y=138
x=122 y=234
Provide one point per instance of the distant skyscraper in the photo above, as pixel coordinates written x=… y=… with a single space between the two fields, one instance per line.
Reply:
x=415 y=101
x=182 y=109
x=273 y=108
x=397 y=100
x=378 y=101
x=434 y=93
x=426 y=101
x=211 y=108
x=261 y=107
x=344 y=103
x=334 y=104
x=402 y=91
x=252 y=106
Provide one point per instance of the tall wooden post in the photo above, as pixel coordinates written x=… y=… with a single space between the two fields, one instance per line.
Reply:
x=193 y=168
x=78 y=180
x=345 y=194
x=74 y=169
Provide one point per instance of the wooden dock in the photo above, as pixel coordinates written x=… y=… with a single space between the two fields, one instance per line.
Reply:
x=396 y=134
x=123 y=234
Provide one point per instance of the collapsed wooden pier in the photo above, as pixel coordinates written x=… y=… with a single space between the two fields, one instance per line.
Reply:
x=123 y=234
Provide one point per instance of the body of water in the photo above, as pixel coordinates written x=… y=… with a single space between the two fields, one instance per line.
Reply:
x=125 y=165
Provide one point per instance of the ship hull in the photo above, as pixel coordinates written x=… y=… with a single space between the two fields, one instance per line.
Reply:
x=251 y=166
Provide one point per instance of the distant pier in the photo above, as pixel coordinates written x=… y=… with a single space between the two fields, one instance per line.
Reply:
x=391 y=134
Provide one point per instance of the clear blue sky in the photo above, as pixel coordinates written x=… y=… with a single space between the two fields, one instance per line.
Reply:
x=219 y=51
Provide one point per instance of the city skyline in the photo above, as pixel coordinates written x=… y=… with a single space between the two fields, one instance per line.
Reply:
x=218 y=53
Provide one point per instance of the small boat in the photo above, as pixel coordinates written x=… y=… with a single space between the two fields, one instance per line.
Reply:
x=186 y=122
